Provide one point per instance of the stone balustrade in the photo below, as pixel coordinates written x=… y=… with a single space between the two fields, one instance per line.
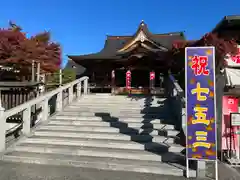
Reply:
x=43 y=100
x=177 y=99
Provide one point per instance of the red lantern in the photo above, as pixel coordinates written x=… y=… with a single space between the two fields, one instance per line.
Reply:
x=128 y=79
x=152 y=75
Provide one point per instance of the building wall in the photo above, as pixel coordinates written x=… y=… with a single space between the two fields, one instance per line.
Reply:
x=220 y=84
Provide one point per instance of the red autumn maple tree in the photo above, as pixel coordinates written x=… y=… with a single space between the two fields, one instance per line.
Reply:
x=222 y=47
x=18 y=51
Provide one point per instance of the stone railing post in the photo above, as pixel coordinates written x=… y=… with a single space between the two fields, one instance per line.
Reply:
x=45 y=110
x=59 y=101
x=85 y=90
x=2 y=129
x=27 y=121
x=70 y=94
x=184 y=119
x=79 y=89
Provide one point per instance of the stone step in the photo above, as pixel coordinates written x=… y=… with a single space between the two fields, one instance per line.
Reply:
x=132 y=98
x=168 y=157
x=116 y=105
x=115 y=124
x=96 y=103
x=114 y=114
x=79 y=118
x=123 y=119
x=97 y=163
x=127 y=130
x=119 y=100
x=87 y=151
x=167 y=123
x=80 y=128
x=146 y=99
x=119 y=144
x=122 y=109
x=108 y=136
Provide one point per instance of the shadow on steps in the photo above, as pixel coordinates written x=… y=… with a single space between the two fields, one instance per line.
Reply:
x=161 y=112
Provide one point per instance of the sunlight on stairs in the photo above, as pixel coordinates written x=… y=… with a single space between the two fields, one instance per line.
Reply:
x=107 y=132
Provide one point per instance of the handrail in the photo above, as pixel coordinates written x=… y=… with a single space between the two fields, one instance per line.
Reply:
x=43 y=100
x=180 y=97
x=177 y=87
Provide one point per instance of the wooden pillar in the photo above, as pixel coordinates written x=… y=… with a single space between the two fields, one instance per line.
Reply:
x=161 y=79
x=93 y=77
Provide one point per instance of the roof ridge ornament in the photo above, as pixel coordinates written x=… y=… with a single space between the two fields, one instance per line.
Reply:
x=142 y=36
x=142 y=23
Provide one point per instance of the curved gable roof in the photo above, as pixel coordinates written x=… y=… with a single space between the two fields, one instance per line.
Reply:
x=114 y=43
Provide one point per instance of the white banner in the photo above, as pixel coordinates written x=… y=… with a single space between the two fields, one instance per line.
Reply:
x=233 y=76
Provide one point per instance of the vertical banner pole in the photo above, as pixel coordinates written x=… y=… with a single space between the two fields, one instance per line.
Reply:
x=187 y=167
x=215 y=112
x=216 y=170
x=186 y=130
x=201 y=134
x=0 y=99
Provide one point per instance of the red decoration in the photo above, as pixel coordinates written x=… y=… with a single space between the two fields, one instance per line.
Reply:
x=128 y=80
x=236 y=58
x=152 y=75
x=222 y=47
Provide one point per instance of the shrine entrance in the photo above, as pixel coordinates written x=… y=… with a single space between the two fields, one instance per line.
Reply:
x=140 y=78
x=142 y=81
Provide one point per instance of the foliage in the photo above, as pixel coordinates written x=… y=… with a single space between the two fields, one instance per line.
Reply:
x=222 y=47
x=68 y=75
x=18 y=51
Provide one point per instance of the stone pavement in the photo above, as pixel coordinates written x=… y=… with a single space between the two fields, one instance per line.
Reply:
x=20 y=171
x=225 y=172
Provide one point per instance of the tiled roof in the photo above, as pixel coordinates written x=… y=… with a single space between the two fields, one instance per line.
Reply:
x=228 y=22
x=114 y=43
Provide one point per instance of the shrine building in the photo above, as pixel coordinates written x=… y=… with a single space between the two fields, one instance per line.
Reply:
x=143 y=55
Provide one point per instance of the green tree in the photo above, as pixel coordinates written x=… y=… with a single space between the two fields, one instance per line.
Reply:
x=68 y=75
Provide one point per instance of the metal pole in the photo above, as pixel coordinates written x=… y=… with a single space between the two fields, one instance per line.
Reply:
x=33 y=73
x=0 y=100
x=216 y=170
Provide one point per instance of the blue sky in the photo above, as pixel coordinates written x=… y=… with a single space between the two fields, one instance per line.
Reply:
x=81 y=26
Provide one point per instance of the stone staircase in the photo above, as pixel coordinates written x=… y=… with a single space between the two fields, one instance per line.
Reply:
x=106 y=132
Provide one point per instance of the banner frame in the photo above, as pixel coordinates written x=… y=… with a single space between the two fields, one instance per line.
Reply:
x=215 y=111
